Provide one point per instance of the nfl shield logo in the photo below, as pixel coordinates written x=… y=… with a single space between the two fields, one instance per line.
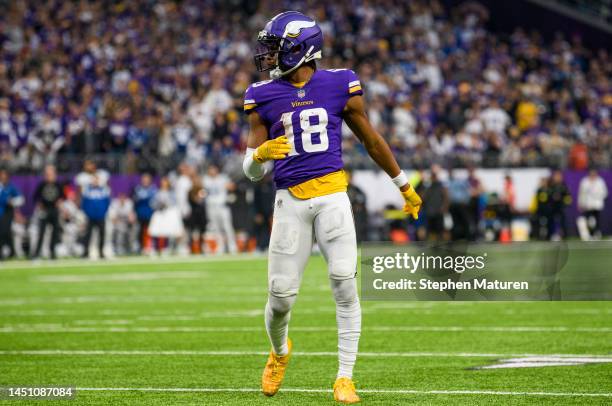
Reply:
x=301 y=93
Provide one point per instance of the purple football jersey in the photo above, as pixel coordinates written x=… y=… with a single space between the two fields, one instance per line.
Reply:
x=310 y=117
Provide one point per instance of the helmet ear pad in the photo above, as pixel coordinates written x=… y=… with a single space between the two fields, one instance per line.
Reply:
x=293 y=54
x=289 y=58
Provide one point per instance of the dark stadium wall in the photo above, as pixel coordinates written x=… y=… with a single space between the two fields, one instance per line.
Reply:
x=27 y=185
x=507 y=15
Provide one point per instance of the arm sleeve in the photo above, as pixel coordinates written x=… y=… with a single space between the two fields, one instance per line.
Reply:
x=353 y=84
x=253 y=170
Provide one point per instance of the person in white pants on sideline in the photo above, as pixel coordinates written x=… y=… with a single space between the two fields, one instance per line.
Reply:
x=217 y=185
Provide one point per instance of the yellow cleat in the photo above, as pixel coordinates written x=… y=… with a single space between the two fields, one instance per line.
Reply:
x=344 y=391
x=274 y=372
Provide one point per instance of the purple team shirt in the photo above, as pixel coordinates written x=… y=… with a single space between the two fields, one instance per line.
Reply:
x=311 y=117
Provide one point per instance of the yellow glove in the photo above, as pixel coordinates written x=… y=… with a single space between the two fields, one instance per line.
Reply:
x=277 y=148
x=413 y=202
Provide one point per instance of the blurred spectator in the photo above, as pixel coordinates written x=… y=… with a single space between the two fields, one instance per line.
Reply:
x=48 y=197
x=436 y=209
x=509 y=196
x=560 y=198
x=182 y=185
x=10 y=201
x=592 y=195
x=540 y=209
x=72 y=222
x=91 y=171
x=217 y=185
x=196 y=225
x=459 y=198
x=476 y=201
x=47 y=139
x=122 y=218
x=496 y=217
x=144 y=198
x=494 y=118
x=166 y=224
x=95 y=201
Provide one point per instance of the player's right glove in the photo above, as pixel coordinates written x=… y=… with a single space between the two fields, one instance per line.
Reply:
x=412 y=203
x=277 y=148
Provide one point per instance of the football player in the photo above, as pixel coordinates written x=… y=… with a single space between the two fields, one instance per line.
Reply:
x=295 y=122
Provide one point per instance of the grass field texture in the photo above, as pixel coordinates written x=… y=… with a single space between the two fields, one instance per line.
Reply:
x=190 y=331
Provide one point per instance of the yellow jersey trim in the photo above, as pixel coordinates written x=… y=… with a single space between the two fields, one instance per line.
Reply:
x=323 y=185
x=354 y=89
x=249 y=106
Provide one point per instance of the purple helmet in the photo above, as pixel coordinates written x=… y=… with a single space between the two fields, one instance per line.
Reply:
x=288 y=40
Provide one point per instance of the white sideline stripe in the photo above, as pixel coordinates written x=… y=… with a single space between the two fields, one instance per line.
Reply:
x=382 y=391
x=20 y=301
x=80 y=263
x=121 y=277
x=535 y=357
x=56 y=328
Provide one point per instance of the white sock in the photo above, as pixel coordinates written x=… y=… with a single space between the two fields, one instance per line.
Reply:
x=277 y=315
x=348 y=318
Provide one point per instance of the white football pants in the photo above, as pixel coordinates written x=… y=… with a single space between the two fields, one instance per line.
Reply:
x=220 y=218
x=296 y=223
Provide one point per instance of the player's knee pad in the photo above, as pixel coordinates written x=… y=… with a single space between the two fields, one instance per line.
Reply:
x=345 y=291
x=343 y=268
x=283 y=285
x=280 y=305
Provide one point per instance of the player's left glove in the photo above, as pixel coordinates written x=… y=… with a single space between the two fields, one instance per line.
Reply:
x=412 y=203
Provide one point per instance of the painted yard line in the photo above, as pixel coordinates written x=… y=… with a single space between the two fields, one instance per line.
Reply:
x=535 y=357
x=545 y=361
x=121 y=276
x=80 y=263
x=252 y=312
x=374 y=391
x=68 y=300
x=57 y=328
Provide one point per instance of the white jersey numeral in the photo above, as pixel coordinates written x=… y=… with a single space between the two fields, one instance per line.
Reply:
x=308 y=130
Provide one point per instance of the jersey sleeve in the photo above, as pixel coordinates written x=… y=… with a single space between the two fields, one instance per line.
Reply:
x=249 y=100
x=354 y=85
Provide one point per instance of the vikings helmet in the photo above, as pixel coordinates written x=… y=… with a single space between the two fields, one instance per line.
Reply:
x=288 y=40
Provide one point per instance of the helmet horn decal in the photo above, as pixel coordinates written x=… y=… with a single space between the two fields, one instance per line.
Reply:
x=294 y=28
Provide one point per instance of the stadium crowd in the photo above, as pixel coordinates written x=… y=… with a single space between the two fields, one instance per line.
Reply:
x=144 y=85
x=156 y=88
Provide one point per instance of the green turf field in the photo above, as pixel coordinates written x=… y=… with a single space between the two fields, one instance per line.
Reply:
x=190 y=331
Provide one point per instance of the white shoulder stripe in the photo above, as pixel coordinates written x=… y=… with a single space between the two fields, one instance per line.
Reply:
x=354 y=83
x=249 y=101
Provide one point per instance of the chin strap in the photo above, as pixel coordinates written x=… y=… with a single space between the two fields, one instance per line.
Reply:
x=277 y=73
